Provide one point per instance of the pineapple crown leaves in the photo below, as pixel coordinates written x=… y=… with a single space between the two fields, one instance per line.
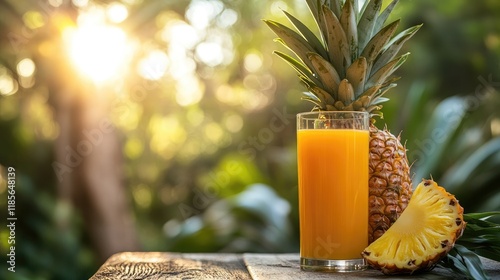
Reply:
x=349 y=66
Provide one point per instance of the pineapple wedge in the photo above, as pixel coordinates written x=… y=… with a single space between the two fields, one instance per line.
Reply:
x=424 y=233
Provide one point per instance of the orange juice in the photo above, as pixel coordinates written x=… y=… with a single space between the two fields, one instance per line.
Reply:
x=333 y=193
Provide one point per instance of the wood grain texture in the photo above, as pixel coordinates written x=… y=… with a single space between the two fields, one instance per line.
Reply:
x=287 y=267
x=160 y=266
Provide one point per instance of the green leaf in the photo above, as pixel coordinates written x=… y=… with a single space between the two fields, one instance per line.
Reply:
x=324 y=96
x=380 y=21
x=471 y=217
x=465 y=169
x=346 y=92
x=375 y=45
x=465 y=263
x=380 y=76
x=356 y=74
x=307 y=34
x=299 y=67
x=472 y=262
x=367 y=22
x=325 y=72
x=337 y=42
x=392 y=48
x=482 y=236
x=446 y=119
x=336 y=7
x=308 y=96
x=348 y=23
x=292 y=40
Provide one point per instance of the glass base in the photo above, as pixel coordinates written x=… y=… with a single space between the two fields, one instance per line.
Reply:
x=307 y=264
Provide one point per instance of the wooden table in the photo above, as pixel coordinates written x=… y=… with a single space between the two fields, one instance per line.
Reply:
x=155 y=265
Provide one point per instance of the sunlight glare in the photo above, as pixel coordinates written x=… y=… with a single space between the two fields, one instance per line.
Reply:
x=180 y=33
x=8 y=85
x=154 y=66
x=80 y=3
x=26 y=67
x=55 y=3
x=189 y=91
x=117 y=12
x=210 y=53
x=227 y=18
x=201 y=12
x=99 y=51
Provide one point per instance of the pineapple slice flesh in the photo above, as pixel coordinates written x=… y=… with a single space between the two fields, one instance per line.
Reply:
x=425 y=232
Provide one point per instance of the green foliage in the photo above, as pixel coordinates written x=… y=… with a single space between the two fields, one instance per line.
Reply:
x=47 y=237
x=255 y=220
x=480 y=237
x=465 y=263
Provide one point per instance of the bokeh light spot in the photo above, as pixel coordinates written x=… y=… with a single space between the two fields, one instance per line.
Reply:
x=133 y=148
x=233 y=122
x=214 y=132
x=142 y=196
x=26 y=67
x=154 y=66
x=33 y=19
x=8 y=85
x=117 y=12
x=189 y=91
x=253 y=62
x=100 y=52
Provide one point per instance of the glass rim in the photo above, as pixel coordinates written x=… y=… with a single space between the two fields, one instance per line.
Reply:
x=305 y=114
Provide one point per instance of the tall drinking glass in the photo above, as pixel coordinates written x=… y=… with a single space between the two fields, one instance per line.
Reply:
x=332 y=154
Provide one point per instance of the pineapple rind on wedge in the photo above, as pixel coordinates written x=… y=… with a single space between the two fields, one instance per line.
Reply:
x=425 y=232
x=349 y=66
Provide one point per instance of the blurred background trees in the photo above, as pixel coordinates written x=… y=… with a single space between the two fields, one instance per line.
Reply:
x=169 y=125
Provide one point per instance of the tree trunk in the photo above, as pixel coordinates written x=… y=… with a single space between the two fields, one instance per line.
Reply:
x=88 y=164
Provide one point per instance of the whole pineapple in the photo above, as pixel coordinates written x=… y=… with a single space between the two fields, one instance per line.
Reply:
x=349 y=68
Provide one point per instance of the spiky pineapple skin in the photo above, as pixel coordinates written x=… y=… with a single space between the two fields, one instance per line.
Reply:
x=413 y=262
x=390 y=185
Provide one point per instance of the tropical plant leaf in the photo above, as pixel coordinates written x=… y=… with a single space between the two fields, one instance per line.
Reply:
x=325 y=72
x=307 y=34
x=444 y=122
x=336 y=7
x=348 y=23
x=292 y=40
x=367 y=22
x=383 y=73
x=346 y=92
x=356 y=74
x=380 y=21
x=298 y=66
x=482 y=236
x=374 y=46
x=392 y=48
x=465 y=262
x=337 y=40
x=465 y=169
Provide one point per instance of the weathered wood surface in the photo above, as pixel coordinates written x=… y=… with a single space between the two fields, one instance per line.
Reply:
x=160 y=266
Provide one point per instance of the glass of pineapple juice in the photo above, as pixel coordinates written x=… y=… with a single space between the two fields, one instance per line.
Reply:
x=332 y=159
